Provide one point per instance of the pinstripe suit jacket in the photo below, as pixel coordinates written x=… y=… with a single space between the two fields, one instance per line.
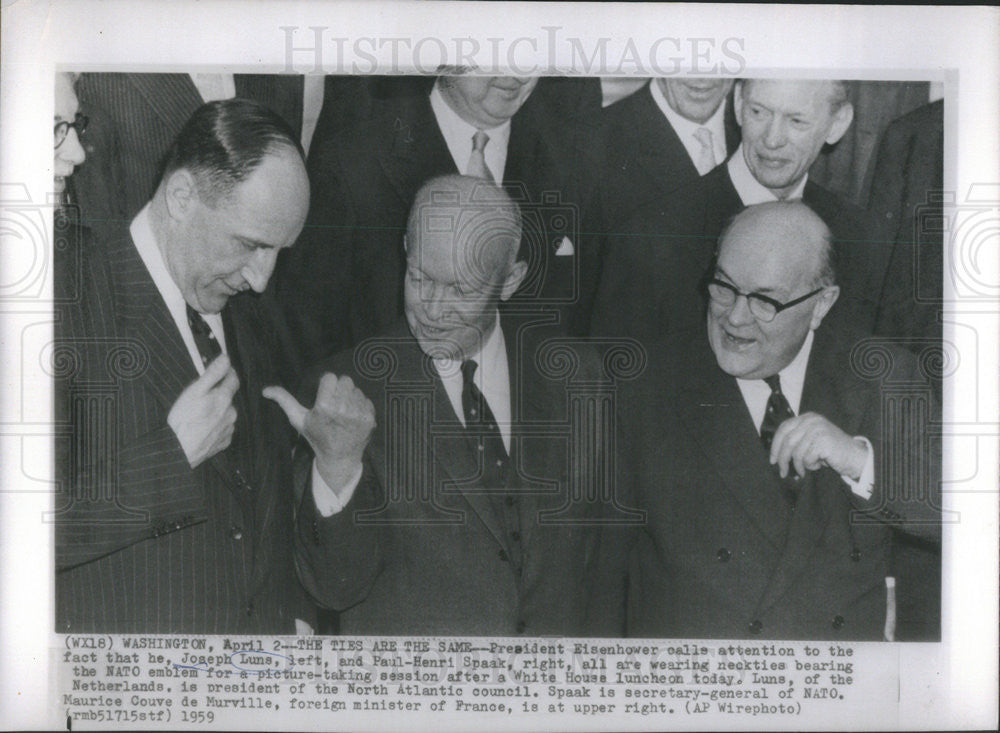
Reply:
x=134 y=119
x=144 y=543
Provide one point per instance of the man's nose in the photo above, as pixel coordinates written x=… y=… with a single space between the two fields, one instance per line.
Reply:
x=775 y=134
x=739 y=312
x=71 y=150
x=258 y=270
x=434 y=304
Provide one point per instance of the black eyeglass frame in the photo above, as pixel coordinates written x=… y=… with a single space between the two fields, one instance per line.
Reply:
x=61 y=129
x=757 y=297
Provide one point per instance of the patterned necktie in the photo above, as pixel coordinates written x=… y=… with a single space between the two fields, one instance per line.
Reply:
x=477 y=159
x=204 y=339
x=778 y=410
x=480 y=422
x=706 y=157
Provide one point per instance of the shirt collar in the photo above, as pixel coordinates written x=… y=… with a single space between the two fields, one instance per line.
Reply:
x=686 y=128
x=750 y=190
x=458 y=134
x=793 y=376
x=490 y=351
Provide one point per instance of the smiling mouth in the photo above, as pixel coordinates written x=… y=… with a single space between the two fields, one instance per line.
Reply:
x=737 y=342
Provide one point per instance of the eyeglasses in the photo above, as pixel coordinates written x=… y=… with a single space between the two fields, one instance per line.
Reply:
x=62 y=129
x=761 y=307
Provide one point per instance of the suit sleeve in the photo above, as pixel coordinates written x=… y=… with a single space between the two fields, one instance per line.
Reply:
x=337 y=557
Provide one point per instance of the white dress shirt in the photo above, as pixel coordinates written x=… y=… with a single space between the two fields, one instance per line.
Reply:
x=686 y=129
x=756 y=394
x=152 y=257
x=458 y=136
x=492 y=377
x=750 y=190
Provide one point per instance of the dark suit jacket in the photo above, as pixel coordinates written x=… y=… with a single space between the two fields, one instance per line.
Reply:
x=145 y=544
x=652 y=269
x=419 y=548
x=723 y=554
x=908 y=172
x=642 y=163
x=343 y=280
x=134 y=120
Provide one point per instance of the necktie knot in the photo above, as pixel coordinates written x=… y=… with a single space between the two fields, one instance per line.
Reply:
x=468 y=371
x=477 y=158
x=774 y=382
x=706 y=157
x=204 y=339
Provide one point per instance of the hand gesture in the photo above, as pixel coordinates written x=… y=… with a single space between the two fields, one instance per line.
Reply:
x=809 y=441
x=203 y=417
x=337 y=427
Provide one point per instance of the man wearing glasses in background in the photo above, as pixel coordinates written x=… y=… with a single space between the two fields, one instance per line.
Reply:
x=765 y=456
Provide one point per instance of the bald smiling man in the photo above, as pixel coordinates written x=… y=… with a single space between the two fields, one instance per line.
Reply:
x=762 y=455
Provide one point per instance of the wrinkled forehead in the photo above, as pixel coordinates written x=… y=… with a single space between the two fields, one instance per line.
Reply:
x=793 y=94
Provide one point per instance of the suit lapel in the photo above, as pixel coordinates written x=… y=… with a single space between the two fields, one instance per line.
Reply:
x=716 y=417
x=172 y=96
x=143 y=315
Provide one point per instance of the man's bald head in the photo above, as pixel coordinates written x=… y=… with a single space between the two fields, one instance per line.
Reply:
x=462 y=240
x=792 y=230
x=779 y=253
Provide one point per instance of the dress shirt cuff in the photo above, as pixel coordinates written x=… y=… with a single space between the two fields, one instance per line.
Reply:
x=328 y=501
x=863 y=486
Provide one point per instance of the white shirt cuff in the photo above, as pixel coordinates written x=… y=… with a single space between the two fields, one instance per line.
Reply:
x=863 y=486
x=329 y=502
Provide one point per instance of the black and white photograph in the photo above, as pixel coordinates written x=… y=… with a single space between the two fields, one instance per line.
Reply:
x=523 y=377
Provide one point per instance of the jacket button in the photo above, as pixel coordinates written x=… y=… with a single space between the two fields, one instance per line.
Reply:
x=236 y=532
x=723 y=554
x=756 y=626
x=838 y=621
x=503 y=556
x=521 y=626
x=856 y=555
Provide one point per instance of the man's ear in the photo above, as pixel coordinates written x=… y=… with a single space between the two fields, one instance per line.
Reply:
x=514 y=279
x=181 y=194
x=738 y=102
x=824 y=302
x=842 y=119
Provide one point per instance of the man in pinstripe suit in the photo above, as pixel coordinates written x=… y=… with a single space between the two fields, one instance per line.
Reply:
x=175 y=507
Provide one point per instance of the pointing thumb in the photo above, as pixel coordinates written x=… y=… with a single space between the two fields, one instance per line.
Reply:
x=296 y=412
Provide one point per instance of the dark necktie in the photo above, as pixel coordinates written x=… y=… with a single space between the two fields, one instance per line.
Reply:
x=479 y=418
x=778 y=410
x=477 y=159
x=483 y=426
x=204 y=339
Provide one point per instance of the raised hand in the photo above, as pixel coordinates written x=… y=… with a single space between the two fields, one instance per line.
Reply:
x=203 y=417
x=337 y=427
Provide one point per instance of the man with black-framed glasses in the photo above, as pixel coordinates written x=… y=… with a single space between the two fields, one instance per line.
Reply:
x=775 y=458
